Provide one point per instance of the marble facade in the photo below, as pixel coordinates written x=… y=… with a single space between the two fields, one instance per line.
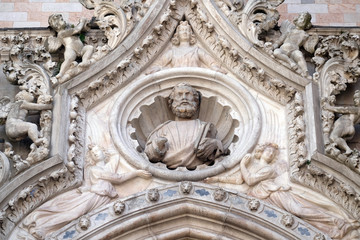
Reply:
x=230 y=54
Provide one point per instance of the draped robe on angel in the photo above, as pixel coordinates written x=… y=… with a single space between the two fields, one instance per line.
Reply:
x=71 y=205
x=280 y=195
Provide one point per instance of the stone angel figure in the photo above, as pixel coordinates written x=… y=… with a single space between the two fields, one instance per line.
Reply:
x=265 y=181
x=294 y=36
x=100 y=176
x=185 y=53
x=68 y=37
x=13 y=115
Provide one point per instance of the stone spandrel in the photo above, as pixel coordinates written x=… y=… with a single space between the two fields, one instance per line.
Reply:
x=247 y=94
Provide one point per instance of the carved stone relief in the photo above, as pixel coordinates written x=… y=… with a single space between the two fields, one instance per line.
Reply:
x=97 y=190
x=199 y=205
x=337 y=61
x=121 y=103
x=225 y=121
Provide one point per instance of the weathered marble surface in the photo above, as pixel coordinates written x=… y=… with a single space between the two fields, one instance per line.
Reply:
x=261 y=99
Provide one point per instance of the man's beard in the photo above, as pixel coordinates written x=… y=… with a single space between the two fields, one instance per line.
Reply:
x=184 y=110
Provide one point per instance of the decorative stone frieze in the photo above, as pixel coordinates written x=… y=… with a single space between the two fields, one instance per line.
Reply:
x=198 y=205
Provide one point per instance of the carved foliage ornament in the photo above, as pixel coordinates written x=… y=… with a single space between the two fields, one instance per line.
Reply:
x=252 y=17
x=338 y=66
x=308 y=174
x=30 y=70
x=244 y=68
x=116 y=21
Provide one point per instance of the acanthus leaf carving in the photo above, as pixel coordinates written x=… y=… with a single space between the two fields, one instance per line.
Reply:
x=252 y=18
x=302 y=169
x=336 y=59
x=241 y=66
x=30 y=69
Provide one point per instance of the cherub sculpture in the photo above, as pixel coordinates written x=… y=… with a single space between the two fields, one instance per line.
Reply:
x=68 y=36
x=287 y=47
x=16 y=126
x=343 y=128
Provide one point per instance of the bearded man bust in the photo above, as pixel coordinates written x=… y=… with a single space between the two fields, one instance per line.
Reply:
x=187 y=141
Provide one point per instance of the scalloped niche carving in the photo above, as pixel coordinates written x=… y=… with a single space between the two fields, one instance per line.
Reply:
x=225 y=102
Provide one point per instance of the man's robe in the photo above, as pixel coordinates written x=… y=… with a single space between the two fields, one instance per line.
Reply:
x=183 y=138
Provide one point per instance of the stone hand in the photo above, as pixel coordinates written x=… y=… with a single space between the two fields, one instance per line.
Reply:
x=143 y=174
x=161 y=144
x=209 y=147
x=211 y=180
x=246 y=159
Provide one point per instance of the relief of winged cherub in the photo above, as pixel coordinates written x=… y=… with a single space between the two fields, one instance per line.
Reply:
x=287 y=47
x=68 y=37
x=16 y=126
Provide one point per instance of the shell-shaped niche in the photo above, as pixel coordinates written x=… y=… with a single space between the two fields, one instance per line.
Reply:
x=210 y=111
x=142 y=106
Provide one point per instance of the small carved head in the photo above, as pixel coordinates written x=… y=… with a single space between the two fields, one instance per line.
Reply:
x=24 y=95
x=119 y=207
x=153 y=195
x=57 y=22
x=219 y=194
x=186 y=187
x=183 y=33
x=84 y=222
x=319 y=236
x=96 y=154
x=266 y=151
x=287 y=220
x=184 y=100
x=254 y=204
x=303 y=21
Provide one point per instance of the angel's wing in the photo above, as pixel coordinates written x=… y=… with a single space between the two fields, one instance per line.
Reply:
x=52 y=44
x=286 y=26
x=5 y=105
x=311 y=42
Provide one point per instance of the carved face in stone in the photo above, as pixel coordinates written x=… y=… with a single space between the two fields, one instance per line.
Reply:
x=287 y=220
x=153 y=195
x=303 y=20
x=84 y=223
x=186 y=186
x=57 y=22
x=253 y=204
x=24 y=95
x=269 y=154
x=184 y=32
x=118 y=207
x=98 y=154
x=184 y=101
